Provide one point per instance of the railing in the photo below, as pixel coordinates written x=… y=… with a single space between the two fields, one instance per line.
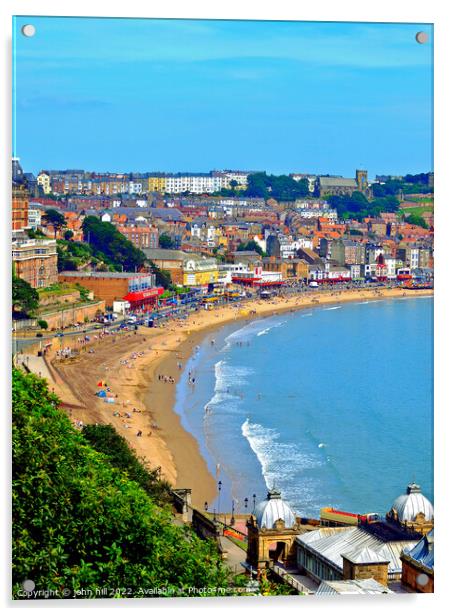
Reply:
x=288 y=578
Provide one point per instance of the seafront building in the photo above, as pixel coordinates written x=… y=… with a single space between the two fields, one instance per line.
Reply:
x=201 y=239
x=418 y=564
x=185 y=269
x=35 y=260
x=365 y=551
x=138 y=289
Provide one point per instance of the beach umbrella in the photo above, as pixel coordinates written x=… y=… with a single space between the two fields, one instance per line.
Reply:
x=102 y=393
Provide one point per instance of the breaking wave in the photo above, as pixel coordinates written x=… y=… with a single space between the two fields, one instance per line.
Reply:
x=279 y=461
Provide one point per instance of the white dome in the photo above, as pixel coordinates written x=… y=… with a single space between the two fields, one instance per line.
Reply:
x=410 y=504
x=274 y=508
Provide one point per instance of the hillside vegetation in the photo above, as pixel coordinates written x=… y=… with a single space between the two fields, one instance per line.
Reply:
x=83 y=519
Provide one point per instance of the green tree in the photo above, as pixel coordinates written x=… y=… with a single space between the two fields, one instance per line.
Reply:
x=25 y=299
x=251 y=245
x=415 y=219
x=162 y=277
x=68 y=234
x=106 y=440
x=35 y=233
x=81 y=522
x=43 y=324
x=56 y=219
x=279 y=187
x=104 y=238
x=165 y=241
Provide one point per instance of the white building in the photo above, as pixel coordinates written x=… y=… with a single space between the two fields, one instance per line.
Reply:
x=135 y=187
x=241 y=177
x=392 y=264
x=43 y=180
x=200 y=183
x=303 y=176
x=34 y=217
x=414 y=258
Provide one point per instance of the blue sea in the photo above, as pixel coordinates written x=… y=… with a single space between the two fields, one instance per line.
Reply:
x=333 y=406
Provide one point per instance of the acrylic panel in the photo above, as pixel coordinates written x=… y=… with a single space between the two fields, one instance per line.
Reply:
x=222 y=249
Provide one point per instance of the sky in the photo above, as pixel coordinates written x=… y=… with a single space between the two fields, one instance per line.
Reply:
x=193 y=95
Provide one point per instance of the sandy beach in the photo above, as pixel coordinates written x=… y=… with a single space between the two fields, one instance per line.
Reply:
x=129 y=365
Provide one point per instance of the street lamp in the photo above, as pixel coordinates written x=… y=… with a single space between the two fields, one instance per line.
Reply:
x=219 y=494
x=232 y=514
x=254 y=502
x=246 y=503
x=206 y=506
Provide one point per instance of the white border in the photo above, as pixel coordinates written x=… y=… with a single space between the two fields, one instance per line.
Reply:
x=432 y=11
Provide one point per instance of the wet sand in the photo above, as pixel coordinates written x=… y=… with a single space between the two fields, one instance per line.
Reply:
x=163 y=441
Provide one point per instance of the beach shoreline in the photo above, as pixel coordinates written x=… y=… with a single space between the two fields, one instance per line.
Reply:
x=130 y=364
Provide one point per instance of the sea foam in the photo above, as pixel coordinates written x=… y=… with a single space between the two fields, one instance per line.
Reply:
x=279 y=460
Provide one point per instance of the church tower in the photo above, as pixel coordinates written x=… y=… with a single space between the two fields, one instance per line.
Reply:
x=361 y=180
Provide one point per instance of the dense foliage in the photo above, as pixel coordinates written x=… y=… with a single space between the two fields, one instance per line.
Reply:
x=409 y=185
x=106 y=440
x=74 y=255
x=357 y=205
x=55 y=218
x=105 y=238
x=165 y=241
x=80 y=523
x=415 y=219
x=251 y=245
x=35 y=234
x=279 y=187
x=25 y=299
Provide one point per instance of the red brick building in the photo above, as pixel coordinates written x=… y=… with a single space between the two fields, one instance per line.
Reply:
x=137 y=288
x=20 y=199
x=141 y=236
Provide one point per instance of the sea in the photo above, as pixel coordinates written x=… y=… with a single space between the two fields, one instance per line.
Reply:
x=331 y=405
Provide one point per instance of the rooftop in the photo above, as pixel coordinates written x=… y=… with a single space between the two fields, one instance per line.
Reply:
x=386 y=530
x=352 y=587
x=165 y=253
x=424 y=551
x=72 y=274
x=326 y=182
x=332 y=543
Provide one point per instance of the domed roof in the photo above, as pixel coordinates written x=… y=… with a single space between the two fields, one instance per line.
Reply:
x=274 y=508
x=410 y=504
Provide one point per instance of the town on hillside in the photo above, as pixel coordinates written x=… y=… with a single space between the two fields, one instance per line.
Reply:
x=211 y=236
x=103 y=254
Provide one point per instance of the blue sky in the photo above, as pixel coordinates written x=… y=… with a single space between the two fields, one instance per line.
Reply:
x=178 y=95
